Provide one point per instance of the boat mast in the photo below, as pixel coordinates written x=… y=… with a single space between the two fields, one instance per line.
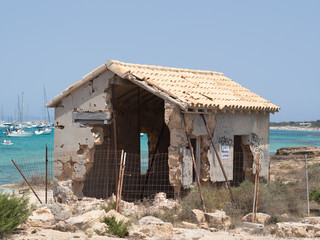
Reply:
x=22 y=110
x=45 y=101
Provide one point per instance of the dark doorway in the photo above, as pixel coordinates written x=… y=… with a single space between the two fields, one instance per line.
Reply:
x=238 y=172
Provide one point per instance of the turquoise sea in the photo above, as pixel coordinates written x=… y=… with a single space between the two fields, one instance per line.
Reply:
x=32 y=148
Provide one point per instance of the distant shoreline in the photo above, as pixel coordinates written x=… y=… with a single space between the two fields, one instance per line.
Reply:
x=296 y=128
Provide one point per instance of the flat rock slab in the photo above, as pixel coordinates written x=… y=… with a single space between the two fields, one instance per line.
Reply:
x=253 y=225
x=295 y=229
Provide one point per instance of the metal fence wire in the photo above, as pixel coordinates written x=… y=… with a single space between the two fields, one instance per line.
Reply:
x=37 y=172
x=143 y=177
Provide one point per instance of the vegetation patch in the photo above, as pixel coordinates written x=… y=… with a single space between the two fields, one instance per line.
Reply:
x=315 y=195
x=13 y=212
x=116 y=228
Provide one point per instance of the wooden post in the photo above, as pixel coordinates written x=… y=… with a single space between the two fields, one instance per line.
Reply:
x=121 y=177
x=256 y=190
x=118 y=185
x=307 y=183
x=219 y=160
x=193 y=160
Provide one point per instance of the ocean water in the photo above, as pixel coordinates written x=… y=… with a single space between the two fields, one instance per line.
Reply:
x=34 y=146
x=292 y=138
x=28 y=149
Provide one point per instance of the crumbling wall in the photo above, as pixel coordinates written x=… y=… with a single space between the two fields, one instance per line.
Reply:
x=254 y=128
x=75 y=146
x=180 y=161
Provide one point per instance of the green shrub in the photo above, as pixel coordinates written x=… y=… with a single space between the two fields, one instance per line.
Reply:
x=314 y=195
x=116 y=228
x=13 y=212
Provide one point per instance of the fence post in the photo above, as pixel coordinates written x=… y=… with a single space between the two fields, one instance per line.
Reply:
x=307 y=182
x=26 y=180
x=46 y=196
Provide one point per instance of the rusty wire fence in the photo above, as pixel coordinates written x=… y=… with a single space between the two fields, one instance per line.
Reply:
x=143 y=176
x=36 y=175
x=287 y=192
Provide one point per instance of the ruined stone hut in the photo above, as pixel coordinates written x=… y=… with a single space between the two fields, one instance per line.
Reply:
x=111 y=106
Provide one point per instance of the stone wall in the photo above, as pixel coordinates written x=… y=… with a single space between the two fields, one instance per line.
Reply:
x=180 y=161
x=74 y=146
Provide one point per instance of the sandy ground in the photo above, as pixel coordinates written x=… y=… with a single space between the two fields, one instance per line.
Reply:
x=179 y=234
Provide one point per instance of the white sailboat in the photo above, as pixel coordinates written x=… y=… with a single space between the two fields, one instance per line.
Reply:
x=43 y=131
x=19 y=132
x=44 y=128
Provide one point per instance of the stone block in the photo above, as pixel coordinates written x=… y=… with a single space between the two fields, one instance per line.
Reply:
x=294 y=229
x=42 y=217
x=199 y=216
x=218 y=218
x=260 y=218
x=119 y=217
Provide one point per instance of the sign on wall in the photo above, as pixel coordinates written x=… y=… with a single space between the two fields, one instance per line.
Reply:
x=225 y=152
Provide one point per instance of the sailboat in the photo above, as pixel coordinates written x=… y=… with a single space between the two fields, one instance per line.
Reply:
x=19 y=132
x=44 y=129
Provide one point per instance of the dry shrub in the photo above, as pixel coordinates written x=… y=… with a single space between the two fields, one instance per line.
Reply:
x=314 y=176
x=275 y=198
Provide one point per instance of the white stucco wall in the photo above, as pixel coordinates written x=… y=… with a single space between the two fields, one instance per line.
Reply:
x=255 y=126
x=74 y=146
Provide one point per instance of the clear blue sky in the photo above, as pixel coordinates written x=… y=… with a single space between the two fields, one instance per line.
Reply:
x=270 y=47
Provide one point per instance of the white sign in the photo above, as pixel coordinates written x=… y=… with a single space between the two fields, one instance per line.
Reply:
x=225 y=152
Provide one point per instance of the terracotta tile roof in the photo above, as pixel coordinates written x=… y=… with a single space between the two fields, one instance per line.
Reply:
x=195 y=88
x=192 y=88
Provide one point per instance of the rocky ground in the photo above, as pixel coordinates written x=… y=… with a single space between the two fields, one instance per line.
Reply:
x=82 y=219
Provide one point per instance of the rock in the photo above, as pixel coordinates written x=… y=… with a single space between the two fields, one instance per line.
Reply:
x=100 y=228
x=189 y=225
x=213 y=230
x=161 y=202
x=61 y=212
x=260 y=218
x=119 y=217
x=42 y=217
x=311 y=151
x=93 y=216
x=311 y=220
x=198 y=216
x=84 y=221
x=204 y=226
x=150 y=220
x=160 y=230
x=253 y=225
x=61 y=226
x=218 y=218
x=294 y=229
x=317 y=230
x=90 y=232
x=86 y=205
x=74 y=223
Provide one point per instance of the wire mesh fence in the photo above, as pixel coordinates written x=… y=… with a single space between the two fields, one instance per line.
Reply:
x=143 y=177
x=36 y=171
x=287 y=192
